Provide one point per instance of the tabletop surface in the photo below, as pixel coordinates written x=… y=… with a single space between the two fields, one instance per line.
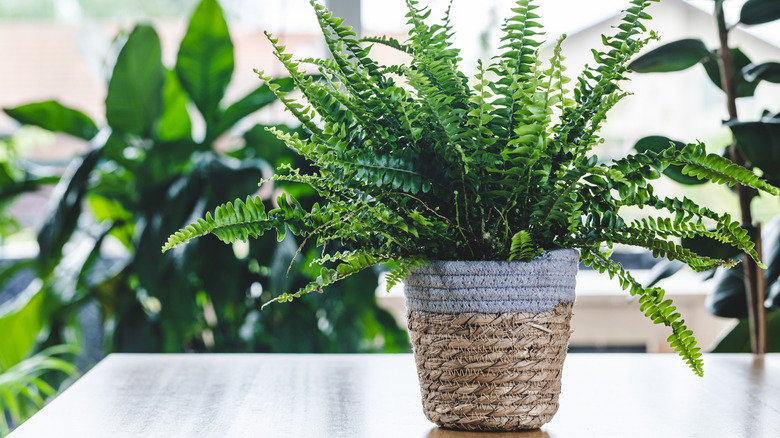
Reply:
x=264 y=395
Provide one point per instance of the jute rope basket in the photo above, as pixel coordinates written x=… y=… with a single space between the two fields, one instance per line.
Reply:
x=490 y=338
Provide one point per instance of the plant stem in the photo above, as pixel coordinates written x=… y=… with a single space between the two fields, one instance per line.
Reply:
x=753 y=286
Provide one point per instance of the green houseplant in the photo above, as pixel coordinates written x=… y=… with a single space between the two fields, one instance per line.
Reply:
x=146 y=172
x=739 y=293
x=419 y=164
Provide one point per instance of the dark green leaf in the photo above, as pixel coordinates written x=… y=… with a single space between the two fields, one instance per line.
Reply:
x=134 y=101
x=759 y=142
x=205 y=61
x=658 y=143
x=768 y=71
x=252 y=102
x=259 y=143
x=712 y=248
x=10 y=189
x=675 y=56
x=165 y=161
x=728 y=298
x=738 y=339
x=54 y=116
x=759 y=11
x=745 y=88
x=663 y=269
x=135 y=332
x=63 y=217
x=174 y=123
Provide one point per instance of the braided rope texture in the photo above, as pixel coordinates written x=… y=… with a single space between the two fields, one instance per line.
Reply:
x=490 y=372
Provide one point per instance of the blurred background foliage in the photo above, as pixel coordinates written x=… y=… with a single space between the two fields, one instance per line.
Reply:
x=754 y=144
x=99 y=281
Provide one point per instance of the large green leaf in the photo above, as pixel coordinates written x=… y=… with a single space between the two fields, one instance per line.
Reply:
x=745 y=88
x=728 y=297
x=54 y=116
x=759 y=142
x=134 y=100
x=63 y=217
x=768 y=71
x=21 y=321
x=252 y=102
x=738 y=339
x=759 y=11
x=205 y=61
x=675 y=56
x=174 y=123
x=658 y=143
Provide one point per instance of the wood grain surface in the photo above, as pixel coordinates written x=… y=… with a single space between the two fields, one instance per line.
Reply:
x=257 y=395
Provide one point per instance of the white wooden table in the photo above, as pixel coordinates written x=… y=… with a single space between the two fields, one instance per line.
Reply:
x=259 y=395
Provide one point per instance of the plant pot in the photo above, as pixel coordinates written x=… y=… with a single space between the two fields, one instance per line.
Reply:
x=489 y=339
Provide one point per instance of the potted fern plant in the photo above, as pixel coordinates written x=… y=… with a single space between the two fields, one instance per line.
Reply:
x=483 y=195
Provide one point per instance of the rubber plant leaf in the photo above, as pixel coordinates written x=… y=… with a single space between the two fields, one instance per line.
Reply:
x=659 y=143
x=728 y=297
x=713 y=248
x=745 y=88
x=768 y=71
x=759 y=142
x=738 y=339
x=759 y=11
x=675 y=56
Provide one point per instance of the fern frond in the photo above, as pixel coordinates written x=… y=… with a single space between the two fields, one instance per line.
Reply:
x=598 y=87
x=402 y=269
x=698 y=163
x=232 y=221
x=654 y=306
x=353 y=263
x=389 y=42
x=516 y=65
x=523 y=248
x=301 y=112
x=658 y=247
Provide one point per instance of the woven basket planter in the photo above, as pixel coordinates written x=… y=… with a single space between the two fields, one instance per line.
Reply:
x=490 y=338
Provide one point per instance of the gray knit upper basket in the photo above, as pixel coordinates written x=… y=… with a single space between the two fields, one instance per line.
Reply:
x=494 y=287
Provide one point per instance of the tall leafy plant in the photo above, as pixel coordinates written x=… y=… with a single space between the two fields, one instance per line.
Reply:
x=743 y=292
x=144 y=174
x=417 y=162
x=24 y=387
x=28 y=377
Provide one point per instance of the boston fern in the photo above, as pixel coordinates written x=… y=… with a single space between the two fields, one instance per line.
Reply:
x=418 y=162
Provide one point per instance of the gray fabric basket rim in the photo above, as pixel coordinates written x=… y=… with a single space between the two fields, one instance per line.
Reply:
x=498 y=266
x=494 y=286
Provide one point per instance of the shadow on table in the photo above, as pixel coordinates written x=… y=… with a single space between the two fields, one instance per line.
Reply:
x=438 y=432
